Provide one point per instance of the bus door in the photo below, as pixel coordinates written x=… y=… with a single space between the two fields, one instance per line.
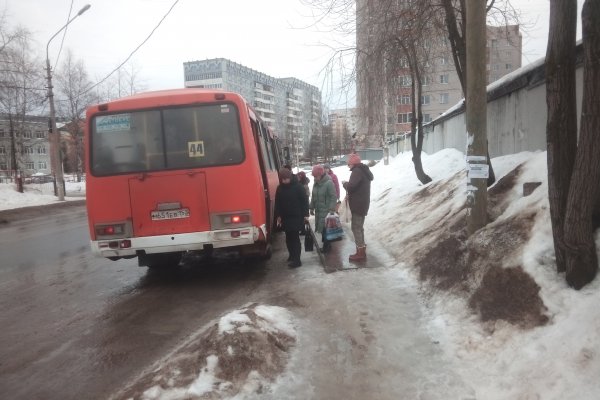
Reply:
x=169 y=204
x=259 y=132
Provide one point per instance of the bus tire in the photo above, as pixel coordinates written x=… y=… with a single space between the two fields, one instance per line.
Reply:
x=268 y=253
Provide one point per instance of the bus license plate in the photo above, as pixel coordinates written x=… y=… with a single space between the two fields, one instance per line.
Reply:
x=170 y=214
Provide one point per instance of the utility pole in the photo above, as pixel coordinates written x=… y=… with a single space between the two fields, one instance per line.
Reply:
x=477 y=167
x=55 y=157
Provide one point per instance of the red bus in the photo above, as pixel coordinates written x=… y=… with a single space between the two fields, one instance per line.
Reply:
x=179 y=170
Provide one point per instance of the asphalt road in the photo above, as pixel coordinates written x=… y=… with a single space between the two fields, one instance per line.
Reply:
x=73 y=326
x=79 y=327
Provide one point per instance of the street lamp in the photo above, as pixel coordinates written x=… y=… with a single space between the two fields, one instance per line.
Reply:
x=54 y=135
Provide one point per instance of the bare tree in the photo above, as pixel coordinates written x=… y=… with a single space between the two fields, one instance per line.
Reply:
x=561 y=127
x=583 y=199
x=129 y=81
x=71 y=82
x=403 y=40
x=21 y=88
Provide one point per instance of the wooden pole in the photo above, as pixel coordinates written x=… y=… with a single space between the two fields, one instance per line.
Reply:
x=477 y=168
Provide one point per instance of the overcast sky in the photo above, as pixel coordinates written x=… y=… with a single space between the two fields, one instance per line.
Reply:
x=276 y=37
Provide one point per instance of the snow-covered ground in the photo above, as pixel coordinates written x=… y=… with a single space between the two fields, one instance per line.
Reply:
x=37 y=194
x=558 y=358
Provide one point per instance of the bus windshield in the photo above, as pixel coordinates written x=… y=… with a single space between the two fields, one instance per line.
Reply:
x=169 y=138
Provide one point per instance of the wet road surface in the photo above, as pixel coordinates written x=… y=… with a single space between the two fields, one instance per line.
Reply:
x=77 y=327
x=74 y=326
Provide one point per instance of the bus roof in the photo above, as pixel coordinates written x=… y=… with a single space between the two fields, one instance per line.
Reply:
x=167 y=97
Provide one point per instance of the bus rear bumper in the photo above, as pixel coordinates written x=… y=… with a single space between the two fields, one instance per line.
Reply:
x=127 y=247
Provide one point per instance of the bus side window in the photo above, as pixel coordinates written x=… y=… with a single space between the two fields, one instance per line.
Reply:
x=264 y=148
x=267 y=139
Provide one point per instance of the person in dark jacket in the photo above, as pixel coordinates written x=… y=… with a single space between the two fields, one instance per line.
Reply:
x=291 y=213
x=358 y=190
x=304 y=181
x=294 y=176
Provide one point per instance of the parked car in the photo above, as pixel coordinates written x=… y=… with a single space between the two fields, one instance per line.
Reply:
x=39 y=178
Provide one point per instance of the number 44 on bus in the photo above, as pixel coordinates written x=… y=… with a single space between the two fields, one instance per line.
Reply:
x=179 y=170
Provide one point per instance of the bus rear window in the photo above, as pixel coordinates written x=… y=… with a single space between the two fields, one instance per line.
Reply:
x=173 y=138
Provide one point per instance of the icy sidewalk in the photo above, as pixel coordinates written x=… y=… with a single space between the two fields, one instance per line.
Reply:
x=361 y=335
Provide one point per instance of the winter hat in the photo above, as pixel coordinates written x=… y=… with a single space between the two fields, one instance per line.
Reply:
x=285 y=173
x=353 y=159
x=327 y=166
x=318 y=170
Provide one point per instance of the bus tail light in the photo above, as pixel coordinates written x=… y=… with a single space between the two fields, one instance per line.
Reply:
x=236 y=219
x=231 y=220
x=113 y=230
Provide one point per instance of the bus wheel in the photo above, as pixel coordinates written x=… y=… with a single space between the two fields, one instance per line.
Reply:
x=268 y=253
x=257 y=251
x=160 y=260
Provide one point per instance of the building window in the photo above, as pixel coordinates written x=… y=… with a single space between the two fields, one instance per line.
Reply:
x=496 y=67
x=508 y=54
x=1 y=132
x=2 y=150
x=508 y=66
x=28 y=150
x=29 y=165
x=444 y=98
x=426 y=118
x=444 y=78
x=404 y=118
x=444 y=60
x=42 y=165
x=494 y=43
x=41 y=150
x=40 y=134
x=405 y=99
x=3 y=166
x=426 y=80
x=27 y=134
x=405 y=80
x=425 y=99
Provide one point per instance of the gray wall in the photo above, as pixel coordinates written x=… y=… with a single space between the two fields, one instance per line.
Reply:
x=516 y=120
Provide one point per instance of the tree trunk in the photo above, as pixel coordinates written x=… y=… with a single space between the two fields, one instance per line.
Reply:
x=561 y=128
x=581 y=257
x=416 y=136
x=457 y=42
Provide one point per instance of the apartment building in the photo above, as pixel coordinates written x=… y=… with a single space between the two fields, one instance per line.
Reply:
x=441 y=87
x=343 y=123
x=24 y=146
x=289 y=106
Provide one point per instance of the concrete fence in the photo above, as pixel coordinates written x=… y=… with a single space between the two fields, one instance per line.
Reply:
x=516 y=115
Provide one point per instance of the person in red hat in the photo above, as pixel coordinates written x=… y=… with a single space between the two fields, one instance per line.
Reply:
x=358 y=190
x=291 y=212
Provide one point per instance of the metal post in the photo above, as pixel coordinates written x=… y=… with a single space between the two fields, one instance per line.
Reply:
x=56 y=165
x=55 y=158
x=477 y=168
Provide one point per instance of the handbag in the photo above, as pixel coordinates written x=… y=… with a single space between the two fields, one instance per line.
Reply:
x=309 y=243
x=333 y=227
